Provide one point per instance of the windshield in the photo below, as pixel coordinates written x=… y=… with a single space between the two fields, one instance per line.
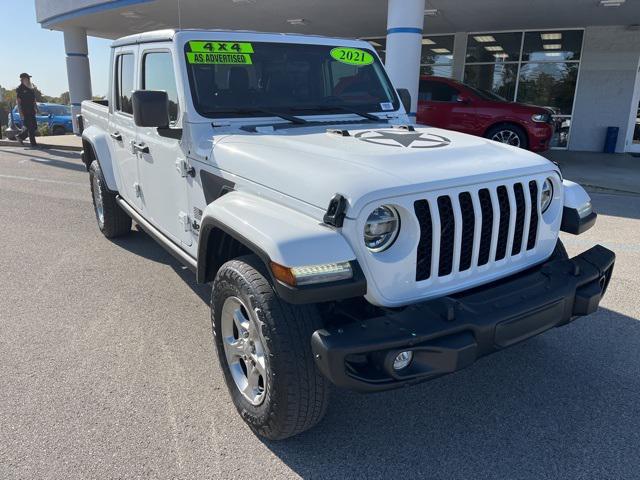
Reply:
x=59 y=109
x=486 y=95
x=230 y=79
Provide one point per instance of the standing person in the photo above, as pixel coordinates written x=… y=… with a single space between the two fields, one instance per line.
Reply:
x=27 y=106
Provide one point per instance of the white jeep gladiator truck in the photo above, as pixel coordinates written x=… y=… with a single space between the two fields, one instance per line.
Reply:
x=344 y=245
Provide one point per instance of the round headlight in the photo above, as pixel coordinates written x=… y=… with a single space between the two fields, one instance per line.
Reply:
x=382 y=228
x=546 y=195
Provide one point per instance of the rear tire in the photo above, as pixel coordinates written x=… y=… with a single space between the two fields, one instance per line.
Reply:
x=59 y=130
x=112 y=220
x=509 y=134
x=290 y=395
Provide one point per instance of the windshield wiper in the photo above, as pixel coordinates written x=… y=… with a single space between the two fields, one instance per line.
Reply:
x=342 y=108
x=271 y=113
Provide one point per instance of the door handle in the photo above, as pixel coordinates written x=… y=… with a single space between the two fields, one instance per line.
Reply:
x=141 y=147
x=116 y=136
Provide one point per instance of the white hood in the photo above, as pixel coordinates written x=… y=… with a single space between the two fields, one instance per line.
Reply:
x=372 y=162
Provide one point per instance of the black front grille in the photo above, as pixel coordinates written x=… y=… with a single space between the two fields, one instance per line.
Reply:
x=533 y=224
x=468 y=223
x=447 y=235
x=487 y=226
x=520 y=214
x=444 y=208
x=423 y=266
x=503 y=229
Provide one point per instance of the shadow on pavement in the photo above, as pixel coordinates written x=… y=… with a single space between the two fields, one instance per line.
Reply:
x=562 y=405
x=616 y=204
x=139 y=243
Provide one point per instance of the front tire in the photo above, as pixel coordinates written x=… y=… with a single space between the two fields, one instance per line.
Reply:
x=112 y=220
x=264 y=350
x=509 y=134
x=59 y=130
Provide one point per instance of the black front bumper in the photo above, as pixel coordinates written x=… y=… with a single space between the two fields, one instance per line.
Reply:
x=450 y=333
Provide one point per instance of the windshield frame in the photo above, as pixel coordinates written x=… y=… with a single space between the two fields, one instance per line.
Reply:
x=323 y=110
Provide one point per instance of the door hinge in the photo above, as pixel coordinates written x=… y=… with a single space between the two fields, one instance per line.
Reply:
x=137 y=189
x=185 y=221
x=185 y=169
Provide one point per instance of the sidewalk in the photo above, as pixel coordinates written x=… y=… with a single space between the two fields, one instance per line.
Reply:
x=58 y=142
x=611 y=171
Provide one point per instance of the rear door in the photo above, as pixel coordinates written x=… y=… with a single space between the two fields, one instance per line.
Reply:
x=162 y=177
x=122 y=129
x=440 y=106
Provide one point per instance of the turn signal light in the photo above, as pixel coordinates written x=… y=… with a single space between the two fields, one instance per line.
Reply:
x=312 y=274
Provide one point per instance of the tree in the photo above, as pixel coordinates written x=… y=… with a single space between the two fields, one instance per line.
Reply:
x=65 y=99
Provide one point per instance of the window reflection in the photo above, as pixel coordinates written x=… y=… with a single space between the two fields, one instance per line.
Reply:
x=497 y=78
x=494 y=47
x=552 y=46
x=548 y=85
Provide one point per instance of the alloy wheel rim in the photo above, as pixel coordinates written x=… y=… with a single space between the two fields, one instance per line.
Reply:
x=507 y=136
x=97 y=200
x=244 y=350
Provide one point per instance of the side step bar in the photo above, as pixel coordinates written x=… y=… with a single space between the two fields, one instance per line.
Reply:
x=158 y=236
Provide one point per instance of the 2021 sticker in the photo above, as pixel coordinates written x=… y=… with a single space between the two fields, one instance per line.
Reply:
x=352 y=56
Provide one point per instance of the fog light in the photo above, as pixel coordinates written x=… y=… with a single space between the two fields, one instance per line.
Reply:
x=402 y=360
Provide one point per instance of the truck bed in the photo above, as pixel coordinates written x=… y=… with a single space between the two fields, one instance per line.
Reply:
x=95 y=113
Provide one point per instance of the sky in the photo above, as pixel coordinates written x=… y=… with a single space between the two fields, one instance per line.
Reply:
x=26 y=47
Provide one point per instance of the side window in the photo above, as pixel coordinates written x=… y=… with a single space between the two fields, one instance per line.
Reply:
x=158 y=74
x=425 y=91
x=124 y=83
x=443 y=92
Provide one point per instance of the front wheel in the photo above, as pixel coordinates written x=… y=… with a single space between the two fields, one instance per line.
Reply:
x=264 y=350
x=59 y=130
x=112 y=220
x=509 y=134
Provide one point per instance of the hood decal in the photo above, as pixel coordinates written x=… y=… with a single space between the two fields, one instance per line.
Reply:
x=394 y=138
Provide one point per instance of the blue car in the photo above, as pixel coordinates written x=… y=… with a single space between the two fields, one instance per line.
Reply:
x=58 y=117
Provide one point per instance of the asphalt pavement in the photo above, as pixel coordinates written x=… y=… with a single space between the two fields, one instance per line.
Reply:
x=107 y=368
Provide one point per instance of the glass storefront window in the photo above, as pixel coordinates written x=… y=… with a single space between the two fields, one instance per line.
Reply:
x=539 y=68
x=437 y=50
x=499 y=78
x=494 y=47
x=548 y=85
x=436 y=58
x=437 y=70
x=552 y=46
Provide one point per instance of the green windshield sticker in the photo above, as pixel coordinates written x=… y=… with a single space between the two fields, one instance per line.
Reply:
x=352 y=56
x=219 y=58
x=221 y=47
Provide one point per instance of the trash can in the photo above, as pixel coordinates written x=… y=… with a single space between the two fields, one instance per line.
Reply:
x=611 y=139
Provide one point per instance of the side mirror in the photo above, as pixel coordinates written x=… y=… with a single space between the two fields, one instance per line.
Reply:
x=463 y=99
x=150 y=108
x=405 y=98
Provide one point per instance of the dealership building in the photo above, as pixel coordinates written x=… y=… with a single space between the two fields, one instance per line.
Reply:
x=580 y=58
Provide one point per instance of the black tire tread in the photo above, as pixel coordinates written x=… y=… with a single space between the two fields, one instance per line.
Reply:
x=116 y=221
x=287 y=330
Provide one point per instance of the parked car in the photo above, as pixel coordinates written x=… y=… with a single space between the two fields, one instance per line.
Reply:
x=446 y=103
x=344 y=244
x=57 y=117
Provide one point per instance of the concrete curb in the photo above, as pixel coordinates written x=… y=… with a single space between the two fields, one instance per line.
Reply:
x=46 y=146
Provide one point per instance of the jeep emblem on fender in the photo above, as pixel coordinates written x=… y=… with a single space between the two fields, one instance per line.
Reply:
x=392 y=138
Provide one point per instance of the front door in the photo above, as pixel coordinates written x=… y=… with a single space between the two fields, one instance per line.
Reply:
x=122 y=129
x=440 y=105
x=162 y=172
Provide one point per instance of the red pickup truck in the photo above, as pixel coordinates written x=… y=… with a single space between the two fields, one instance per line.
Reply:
x=449 y=104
